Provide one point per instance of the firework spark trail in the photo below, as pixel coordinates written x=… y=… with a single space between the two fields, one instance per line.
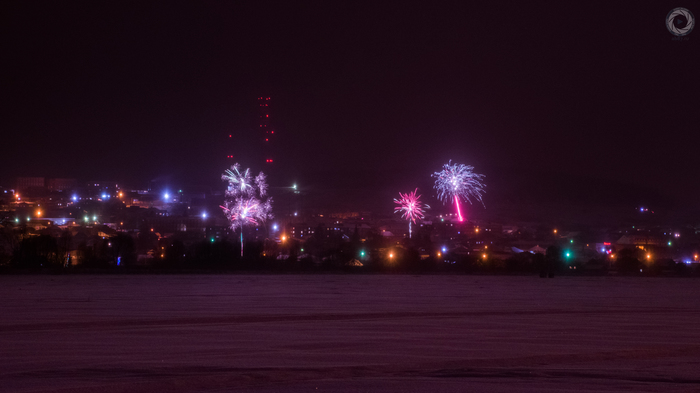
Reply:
x=411 y=208
x=457 y=181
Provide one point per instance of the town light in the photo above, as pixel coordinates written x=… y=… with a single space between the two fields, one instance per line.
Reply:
x=204 y=215
x=483 y=256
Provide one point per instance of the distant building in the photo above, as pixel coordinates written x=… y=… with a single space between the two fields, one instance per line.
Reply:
x=61 y=184
x=28 y=183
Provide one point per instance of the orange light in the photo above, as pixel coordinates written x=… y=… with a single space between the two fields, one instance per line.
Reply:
x=648 y=256
x=483 y=256
x=391 y=255
x=555 y=231
x=284 y=238
x=439 y=254
x=477 y=230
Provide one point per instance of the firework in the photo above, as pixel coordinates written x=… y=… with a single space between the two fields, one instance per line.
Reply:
x=245 y=202
x=247 y=211
x=239 y=183
x=458 y=181
x=410 y=207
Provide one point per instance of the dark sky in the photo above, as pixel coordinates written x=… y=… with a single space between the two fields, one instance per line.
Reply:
x=543 y=98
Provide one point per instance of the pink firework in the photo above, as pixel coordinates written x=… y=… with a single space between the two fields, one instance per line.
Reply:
x=411 y=208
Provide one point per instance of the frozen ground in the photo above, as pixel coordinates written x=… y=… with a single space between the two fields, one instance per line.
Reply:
x=220 y=333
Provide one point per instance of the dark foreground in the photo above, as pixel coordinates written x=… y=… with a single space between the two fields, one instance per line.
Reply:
x=348 y=333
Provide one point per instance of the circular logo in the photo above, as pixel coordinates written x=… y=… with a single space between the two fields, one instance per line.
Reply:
x=680 y=21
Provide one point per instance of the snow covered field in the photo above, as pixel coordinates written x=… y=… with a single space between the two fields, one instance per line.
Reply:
x=347 y=333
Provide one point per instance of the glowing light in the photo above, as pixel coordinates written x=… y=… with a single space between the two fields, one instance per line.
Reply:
x=391 y=255
x=75 y=198
x=275 y=227
x=94 y=218
x=410 y=208
x=457 y=181
x=571 y=241
x=555 y=231
x=204 y=215
x=439 y=254
x=362 y=253
x=166 y=196
x=444 y=249
x=568 y=254
x=104 y=196
x=284 y=238
x=669 y=243
x=38 y=213
x=648 y=256
x=483 y=256
x=294 y=186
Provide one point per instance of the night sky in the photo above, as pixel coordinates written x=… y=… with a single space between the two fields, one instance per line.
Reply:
x=589 y=104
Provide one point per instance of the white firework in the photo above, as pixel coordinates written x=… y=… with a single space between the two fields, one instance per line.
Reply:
x=458 y=181
x=239 y=183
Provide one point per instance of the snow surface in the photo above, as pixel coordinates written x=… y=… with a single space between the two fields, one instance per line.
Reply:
x=348 y=333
